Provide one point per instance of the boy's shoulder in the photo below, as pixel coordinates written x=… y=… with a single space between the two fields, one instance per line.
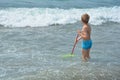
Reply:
x=85 y=26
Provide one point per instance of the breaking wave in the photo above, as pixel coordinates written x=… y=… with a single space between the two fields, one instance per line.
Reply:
x=35 y=17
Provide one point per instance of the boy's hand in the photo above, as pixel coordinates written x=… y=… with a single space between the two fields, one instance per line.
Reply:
x=78 y=31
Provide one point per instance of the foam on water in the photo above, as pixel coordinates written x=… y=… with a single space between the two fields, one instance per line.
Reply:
x=35 y=17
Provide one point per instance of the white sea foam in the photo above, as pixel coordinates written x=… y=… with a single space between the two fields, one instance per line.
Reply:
x=34 y=17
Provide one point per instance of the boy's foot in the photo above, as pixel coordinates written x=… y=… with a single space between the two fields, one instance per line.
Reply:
x=84 y=59
x=88 y=57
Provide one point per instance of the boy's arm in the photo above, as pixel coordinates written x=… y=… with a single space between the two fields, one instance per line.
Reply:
x=83 y=33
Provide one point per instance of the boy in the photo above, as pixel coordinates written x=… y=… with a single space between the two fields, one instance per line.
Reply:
x=85 y=34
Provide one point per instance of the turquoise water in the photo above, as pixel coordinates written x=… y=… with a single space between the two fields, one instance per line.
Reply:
x=36 y=34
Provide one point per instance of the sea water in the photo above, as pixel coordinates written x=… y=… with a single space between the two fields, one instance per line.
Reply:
x=35 y=34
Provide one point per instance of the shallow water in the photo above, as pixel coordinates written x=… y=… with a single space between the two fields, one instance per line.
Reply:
x=36 y=53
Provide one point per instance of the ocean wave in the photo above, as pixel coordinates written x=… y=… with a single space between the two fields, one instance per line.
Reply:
x=35 y=17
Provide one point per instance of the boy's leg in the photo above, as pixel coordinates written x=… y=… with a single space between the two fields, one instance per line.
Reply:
x=88 y=54
x=84 y=54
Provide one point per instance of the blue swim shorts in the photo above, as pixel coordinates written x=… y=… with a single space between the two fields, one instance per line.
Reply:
x=86 y=44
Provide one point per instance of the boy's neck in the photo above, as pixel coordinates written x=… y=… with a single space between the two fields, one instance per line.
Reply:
x=85 y=24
